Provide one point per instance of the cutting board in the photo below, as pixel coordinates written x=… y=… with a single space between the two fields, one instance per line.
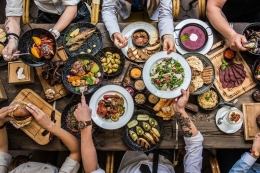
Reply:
x=59 y=89
x=229 y=94
x=33 y=130
x=250 y=111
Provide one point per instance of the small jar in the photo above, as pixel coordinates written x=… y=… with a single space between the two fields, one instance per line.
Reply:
x=135 y=72
x=139 y=85
x=256 y=95
x=139 y=98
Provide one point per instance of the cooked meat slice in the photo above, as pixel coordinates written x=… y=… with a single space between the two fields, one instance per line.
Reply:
x=237 y=75
x=231 y=74
x=227 y=77
x=222 y=75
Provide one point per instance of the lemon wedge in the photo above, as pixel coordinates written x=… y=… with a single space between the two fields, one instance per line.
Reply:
x=74 y=33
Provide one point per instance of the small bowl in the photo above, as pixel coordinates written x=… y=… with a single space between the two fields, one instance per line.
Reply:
x=135 y=72
x=229 y=54
x=254 y=95
x=233 y=120
x=153 y=99
x=130 y=89
x=139 y=85
x=246 y=32
x=140 y=98
x=134 y=40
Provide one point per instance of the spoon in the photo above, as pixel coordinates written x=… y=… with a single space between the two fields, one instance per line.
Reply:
x=19 y=54
x=220 y=120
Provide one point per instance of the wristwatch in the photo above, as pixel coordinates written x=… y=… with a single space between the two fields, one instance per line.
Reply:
x=255 y=153
x=56 y=32
x=83 y=124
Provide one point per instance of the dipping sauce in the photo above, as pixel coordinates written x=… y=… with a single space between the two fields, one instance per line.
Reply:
x=140 y=98
x=256 y=95
x=229 y=54
x=139 y=85
x=140 y=37
x=153 y=99
x=135 y=73
x=130 y=90
x=192 y=37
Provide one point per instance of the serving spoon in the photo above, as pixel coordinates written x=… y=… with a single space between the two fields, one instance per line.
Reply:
x=220 y=120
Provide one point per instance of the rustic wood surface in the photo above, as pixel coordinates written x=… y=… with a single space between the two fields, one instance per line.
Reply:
x=113 y=140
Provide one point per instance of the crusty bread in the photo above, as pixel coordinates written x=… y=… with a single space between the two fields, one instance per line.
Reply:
x=195 y=63
x=196 y=83
x=153 y=37
x=2 y=35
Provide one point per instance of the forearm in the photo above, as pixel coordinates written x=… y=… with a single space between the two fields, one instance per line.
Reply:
x=68 y=139
x=65 y=19
x=4 y=139
x=12 y=24
x=88 y=151
x=187 y=126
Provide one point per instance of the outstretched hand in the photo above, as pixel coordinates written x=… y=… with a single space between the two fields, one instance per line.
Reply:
x=10 y=49
x=4 y=111
x=169 y=44
x=179 y=103
x=83 y=112
x=120 y=41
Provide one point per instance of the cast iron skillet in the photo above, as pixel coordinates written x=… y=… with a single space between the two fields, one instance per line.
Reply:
x=127 y=138
x=220 y=102
x=254 y=69
x=255 y=27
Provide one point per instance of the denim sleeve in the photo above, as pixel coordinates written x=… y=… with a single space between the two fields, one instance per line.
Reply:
x=243 y=164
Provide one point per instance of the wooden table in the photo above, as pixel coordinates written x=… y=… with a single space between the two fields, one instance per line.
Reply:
x=112 y=140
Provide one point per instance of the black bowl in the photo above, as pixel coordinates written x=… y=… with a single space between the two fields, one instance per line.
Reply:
x=26 y=42
x=102 y=53
x=203 y=30
x=94 y=39
x=143 y=45
x=254 y=69
x=67 y=68
x=255 y=27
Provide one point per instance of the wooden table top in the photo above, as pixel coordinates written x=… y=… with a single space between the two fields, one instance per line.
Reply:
x=112 y=140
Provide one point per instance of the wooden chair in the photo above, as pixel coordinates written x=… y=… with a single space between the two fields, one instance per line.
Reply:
x=201 y=8
x=110 y=162
x=26 y=11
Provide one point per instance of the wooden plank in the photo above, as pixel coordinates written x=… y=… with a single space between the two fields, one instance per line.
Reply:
x=229 y=94
x=33 y=130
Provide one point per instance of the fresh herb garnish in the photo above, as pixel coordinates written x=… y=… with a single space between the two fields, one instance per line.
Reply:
x=208 y=97
x=224 y=64
x=185 y=37
x=68 y=36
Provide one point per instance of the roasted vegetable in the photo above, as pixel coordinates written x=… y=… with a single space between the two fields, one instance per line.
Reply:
x=156 y=132
x=143 y=143
x=133 y=135
x=153 y=122
x=155 y=137
x=146 y=126
x=110 y=62
x=149 y=138
x=139 y=130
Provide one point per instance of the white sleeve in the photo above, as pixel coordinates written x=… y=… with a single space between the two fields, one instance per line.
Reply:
x=5 y=160
x=165 y=18
x=193 y=158
x=109 y=9
x=14 y=8
x=69 y=166
x=99 y=171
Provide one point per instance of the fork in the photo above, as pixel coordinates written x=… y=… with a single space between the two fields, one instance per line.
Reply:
x=82 y=89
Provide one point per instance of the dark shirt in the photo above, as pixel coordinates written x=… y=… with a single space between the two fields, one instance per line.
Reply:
x=242 y=10
x=137 y=6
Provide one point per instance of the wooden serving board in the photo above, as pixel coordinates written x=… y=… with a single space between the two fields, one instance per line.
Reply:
x=250 y=111
x=229 y=94
x=33 y=130
x=59 y=89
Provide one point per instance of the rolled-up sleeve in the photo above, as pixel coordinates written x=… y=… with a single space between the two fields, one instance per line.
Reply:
x=244 y=164
x=5 y=160
x=70 y=2
x=13 y=8
x=69 y=166
x=109 y=9
x=165 y=18
x=193 y=157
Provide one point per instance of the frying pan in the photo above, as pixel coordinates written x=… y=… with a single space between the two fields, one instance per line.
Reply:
x=220 y=102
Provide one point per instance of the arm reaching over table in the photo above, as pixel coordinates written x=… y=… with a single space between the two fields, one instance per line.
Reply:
x=193 y=138
x=88 y=151
x=247 y=161
x=220 y=23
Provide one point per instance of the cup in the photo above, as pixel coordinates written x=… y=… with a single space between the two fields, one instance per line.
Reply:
x=233 y=117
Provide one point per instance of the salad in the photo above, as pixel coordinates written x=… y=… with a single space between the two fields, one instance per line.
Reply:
x=167 y=74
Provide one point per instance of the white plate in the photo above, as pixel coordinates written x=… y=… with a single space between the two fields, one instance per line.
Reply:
x=224 y=127
x=177 y=29
x=159 y=57
x=107 y=123
x=129 y=30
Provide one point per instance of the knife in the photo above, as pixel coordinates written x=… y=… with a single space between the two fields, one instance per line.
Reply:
x=52 y=118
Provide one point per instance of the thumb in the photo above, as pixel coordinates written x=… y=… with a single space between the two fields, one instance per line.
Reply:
x=165 y=46
x=243 y=40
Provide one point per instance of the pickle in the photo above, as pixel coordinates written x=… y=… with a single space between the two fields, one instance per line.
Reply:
x=132 y=123
x=143 y=117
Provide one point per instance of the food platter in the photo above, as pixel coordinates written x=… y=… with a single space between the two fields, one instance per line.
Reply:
x=109 y=90
x=65 y=122
x=130 y=29
x=67 y=71
x=128 y=139
x=102 y=54
x=206 y=62
x=158 y=57
x=183 y=23
x=93 y=43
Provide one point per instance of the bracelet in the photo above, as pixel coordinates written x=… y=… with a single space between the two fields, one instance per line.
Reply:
x=1 y=127
x=56 y=32
x=13 y=34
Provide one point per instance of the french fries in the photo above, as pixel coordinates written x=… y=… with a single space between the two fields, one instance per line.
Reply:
x=164 y=109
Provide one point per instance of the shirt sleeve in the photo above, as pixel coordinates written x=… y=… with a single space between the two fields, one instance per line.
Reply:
x=165 y=18
x=193 y=157
x=69 y=166
x=99 y=171
x=14 y=8
x=70 y=2
x=5 y=160
x=243 y=164
x=109 y=9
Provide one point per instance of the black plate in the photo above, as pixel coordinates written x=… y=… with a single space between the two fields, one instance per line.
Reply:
x=95 y=39
x=64 y=125
x=127 y=138
x=206 y=62
x=67 y=68
x=254 y=68
x=101 y=54
x=26 y=42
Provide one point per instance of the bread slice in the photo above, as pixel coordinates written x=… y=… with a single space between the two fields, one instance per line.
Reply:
x=195 y=63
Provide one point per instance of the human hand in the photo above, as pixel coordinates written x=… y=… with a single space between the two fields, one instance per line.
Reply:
x=168 y=43
x=83 y=112
x=4 y=111
x=256 y=144
x=10 y=49
x=236 y=42
x=119 y=40
x=179 y=103
x=41 y=118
